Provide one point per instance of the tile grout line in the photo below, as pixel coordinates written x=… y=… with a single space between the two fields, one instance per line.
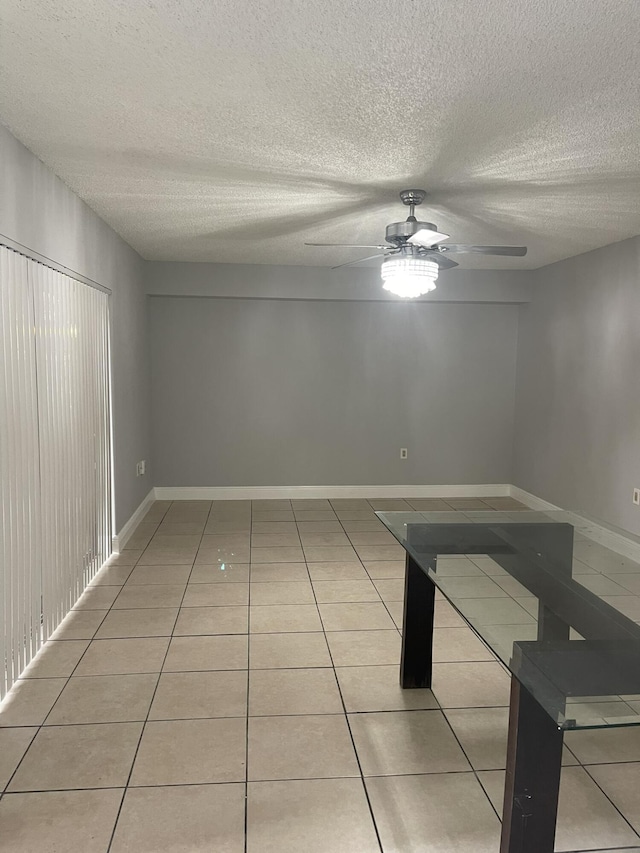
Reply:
x=473 y=769
x=246 y=747
x=328 y=713
x=153 y=695
x=625 y=849
x=384 y=603
x=346 y=718
x=257 y=781
x=600 y=788
x=135 y=754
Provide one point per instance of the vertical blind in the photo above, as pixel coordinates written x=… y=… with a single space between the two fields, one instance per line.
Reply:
x=54 y=451
x=20 y=554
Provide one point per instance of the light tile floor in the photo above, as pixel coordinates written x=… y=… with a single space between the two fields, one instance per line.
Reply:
x=228 y=683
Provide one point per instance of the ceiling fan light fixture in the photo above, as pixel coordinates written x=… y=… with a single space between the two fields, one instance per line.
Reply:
x=409 y=277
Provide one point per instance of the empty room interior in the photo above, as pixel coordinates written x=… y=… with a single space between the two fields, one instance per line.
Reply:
x=320 y=426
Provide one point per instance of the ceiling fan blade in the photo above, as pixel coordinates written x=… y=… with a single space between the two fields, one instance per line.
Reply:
x=426 y=237
x=360 y=260
x=349 y=245
x=443 y=263
x=459 y=248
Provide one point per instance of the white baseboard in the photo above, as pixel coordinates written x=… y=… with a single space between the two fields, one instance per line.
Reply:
x=613 y=539
x=120 y=539
x=248 y=493
x=532 y=501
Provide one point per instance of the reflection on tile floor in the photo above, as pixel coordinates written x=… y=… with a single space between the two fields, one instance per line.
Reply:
x=229 y=682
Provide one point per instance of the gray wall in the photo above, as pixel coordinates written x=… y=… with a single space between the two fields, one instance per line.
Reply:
x=279 y=392
x=577 y=425
x=38 y=211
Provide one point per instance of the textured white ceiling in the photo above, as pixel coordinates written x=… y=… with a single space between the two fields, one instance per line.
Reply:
x=234 y=130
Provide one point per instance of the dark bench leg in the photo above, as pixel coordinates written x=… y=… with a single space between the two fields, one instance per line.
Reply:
x=417 y=627
x=534 y=760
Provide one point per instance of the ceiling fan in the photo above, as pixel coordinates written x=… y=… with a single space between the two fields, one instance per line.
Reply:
x=414 y=254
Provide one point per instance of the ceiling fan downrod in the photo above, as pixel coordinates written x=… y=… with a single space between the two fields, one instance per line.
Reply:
x=397 y=233
x=412 y=198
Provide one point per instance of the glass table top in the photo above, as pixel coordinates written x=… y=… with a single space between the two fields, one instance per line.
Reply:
x=554 y=604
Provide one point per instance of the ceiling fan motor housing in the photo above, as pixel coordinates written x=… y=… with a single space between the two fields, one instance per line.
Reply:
x=398 y=232
x=413 y=197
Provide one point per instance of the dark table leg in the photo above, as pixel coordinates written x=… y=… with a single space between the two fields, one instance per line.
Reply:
x=556 y=545
x=417 y=627
x=550 y=625
x=534 y=760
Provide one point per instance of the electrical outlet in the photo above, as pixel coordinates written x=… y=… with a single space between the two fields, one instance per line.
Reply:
x=140 y=468
x=403 y=453
x=636 y=497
